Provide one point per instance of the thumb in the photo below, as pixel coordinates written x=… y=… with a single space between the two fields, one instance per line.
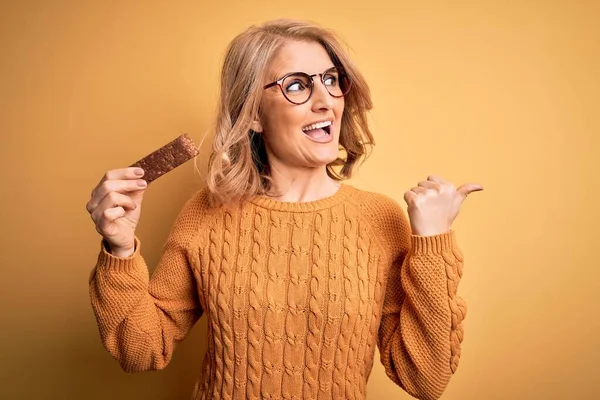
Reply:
x=469 y=188
x=138 y=196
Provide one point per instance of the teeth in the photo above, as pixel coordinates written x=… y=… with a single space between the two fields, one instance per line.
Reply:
x=316 y=126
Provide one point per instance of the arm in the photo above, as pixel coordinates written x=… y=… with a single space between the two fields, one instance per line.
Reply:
x=421 y=329
x=142 y=319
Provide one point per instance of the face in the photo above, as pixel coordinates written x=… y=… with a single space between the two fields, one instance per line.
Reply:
x=305 y=135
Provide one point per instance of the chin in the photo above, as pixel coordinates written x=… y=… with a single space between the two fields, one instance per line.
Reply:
x=324 y=159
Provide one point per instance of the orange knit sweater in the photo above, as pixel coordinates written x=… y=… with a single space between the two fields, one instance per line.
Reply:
x=297 y=297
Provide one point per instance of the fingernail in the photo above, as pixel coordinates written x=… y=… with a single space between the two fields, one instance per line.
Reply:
x=141 y=183
x=139 y=172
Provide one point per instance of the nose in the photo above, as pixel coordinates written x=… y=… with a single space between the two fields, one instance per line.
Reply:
x=321 y=99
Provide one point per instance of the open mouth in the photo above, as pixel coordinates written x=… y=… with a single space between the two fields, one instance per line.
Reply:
x=318 y=132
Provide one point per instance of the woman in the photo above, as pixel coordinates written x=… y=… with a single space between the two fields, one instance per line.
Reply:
x=300 y=275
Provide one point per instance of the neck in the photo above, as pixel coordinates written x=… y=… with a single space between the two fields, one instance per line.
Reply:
x=301 y=185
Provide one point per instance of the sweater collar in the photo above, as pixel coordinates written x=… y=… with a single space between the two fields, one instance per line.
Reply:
x=327 y=202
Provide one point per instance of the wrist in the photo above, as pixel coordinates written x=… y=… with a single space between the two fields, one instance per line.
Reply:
x=123 y=253
x=120 y=252
x=429 y=231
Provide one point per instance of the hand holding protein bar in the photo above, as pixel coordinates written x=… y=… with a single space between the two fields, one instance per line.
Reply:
x=115 y=204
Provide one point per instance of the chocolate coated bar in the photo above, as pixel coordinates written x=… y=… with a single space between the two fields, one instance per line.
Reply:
x=167 y=158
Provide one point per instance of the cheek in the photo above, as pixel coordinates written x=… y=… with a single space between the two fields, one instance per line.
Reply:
x=340 y=108
x=282 y=118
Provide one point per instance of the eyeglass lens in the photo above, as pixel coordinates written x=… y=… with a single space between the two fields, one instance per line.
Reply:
x=298 y=87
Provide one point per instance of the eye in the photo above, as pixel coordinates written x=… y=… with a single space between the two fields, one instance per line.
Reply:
x=330 y=80
x=295 y=86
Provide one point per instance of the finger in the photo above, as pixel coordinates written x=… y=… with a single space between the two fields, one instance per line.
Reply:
x=119 y=186
x=469 y=188
x=437 y=179
x=409 y=197
x=114 y=174
x=113 y=200
x=123 y=173
x=108 y=217
x=89 y=207
x=429 y=185
x=419 y=190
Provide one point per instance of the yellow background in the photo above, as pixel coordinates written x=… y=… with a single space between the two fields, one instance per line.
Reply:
x=501 y=93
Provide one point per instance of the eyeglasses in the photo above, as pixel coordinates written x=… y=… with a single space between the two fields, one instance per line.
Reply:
x=297 y=87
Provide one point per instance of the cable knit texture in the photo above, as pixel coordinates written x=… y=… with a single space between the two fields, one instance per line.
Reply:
x=297 y=297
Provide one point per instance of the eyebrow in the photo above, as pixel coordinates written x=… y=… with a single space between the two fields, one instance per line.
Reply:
x=290 y=71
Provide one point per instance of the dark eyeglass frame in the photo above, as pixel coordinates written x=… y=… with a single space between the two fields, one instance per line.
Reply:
x=340 y=72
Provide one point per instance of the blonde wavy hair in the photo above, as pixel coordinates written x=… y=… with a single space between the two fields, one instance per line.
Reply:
x=238 y=167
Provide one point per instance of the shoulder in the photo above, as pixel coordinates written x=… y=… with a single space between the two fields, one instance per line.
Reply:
x=197 y=204
x=374 y=199
x=378 y=207
x=193 y=212
x=386 y=217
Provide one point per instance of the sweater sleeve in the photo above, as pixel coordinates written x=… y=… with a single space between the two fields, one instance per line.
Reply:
x=141 y=319
x=421 y=329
